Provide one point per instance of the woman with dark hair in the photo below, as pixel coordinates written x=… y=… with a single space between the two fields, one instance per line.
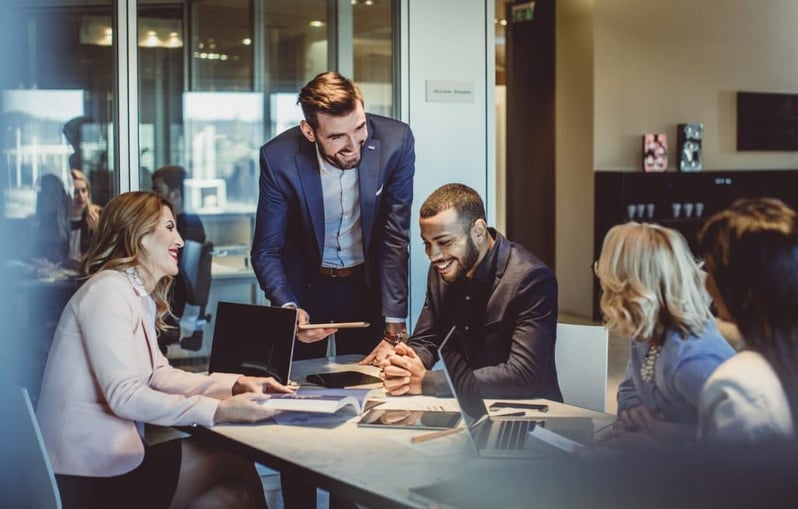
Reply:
x=105 y=377
x=751 y=255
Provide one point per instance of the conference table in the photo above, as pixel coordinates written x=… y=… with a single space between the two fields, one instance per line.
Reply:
x=377 y=467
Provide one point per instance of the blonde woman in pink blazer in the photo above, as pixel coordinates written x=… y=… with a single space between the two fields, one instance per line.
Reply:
x=105 y=377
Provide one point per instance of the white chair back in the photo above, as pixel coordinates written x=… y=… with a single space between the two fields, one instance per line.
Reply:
x=580 y=355
x=28 y=479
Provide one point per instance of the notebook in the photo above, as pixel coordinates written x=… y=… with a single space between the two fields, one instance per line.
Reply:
x=495 y=436
x=253 y=340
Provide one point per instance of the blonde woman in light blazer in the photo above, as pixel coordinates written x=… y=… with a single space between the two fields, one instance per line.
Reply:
x=105 y=377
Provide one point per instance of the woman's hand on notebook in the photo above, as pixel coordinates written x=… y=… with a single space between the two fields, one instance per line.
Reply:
x=243 y=407
x=259 y=384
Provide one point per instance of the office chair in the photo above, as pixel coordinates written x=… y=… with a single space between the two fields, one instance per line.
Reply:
x=28 y=479
x=580 y=355
x=195 y=278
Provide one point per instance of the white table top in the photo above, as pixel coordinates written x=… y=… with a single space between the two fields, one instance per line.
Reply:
x=375 y=467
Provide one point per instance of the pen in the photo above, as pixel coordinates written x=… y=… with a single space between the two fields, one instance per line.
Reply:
x=435 y=434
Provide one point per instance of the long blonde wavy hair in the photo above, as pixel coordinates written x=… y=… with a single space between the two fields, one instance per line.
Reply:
x=117 y=244
x=651 y=283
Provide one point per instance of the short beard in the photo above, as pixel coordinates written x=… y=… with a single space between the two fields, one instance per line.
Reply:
x=341 y=165
x=469 y=260
x=333 y=160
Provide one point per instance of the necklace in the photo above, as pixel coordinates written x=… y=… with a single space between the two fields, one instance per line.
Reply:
x=133 y=274
x=649 y=361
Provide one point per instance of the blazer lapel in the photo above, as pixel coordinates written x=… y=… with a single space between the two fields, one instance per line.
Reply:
x=369 y=180
x=308 y=168
x=495 y=300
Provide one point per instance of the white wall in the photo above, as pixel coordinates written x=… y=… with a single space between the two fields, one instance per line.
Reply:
x=455 y=142
x=574 y=155
x=625 y=67
x=684 y=61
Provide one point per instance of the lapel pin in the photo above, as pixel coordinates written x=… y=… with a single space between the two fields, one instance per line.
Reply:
x=370 y=147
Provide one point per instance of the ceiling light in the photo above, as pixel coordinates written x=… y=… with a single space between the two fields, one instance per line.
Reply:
x=316 y=23
x=151 y=40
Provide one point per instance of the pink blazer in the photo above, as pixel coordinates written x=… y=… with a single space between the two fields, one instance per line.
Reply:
x=105 y=373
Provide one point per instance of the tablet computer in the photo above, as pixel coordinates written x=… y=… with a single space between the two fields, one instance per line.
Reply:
x=410 y=419
x=333 y=325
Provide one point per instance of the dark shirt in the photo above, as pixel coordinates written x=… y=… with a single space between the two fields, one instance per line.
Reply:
x=189 y=226
x=468 y=301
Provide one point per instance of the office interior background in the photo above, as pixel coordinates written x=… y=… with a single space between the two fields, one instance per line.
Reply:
x=553 y=100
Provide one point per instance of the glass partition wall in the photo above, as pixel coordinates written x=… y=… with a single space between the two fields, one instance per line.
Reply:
x=218 y=78
x=213 y=80
x=119 y=88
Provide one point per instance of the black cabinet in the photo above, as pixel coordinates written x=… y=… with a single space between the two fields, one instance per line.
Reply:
x=681 y=201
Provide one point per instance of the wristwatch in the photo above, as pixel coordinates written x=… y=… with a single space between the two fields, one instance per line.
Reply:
x=394 y=339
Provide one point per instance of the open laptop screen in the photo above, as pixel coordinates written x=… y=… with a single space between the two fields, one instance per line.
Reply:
x=253 y=340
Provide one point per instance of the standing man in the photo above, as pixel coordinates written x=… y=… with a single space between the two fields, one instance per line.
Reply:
x=331 y=236
x=501 y=297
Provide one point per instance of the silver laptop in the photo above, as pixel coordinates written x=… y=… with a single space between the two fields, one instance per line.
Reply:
x=497 y=436
x=253 y=340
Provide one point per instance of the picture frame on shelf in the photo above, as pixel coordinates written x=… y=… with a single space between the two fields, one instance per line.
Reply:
x=655 y=152
x=690 y=136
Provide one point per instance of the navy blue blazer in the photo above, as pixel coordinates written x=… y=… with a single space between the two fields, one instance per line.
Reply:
x=289 y=230
x=514 y=354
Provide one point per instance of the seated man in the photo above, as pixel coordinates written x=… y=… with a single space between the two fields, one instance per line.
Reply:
x=167 y=182
x=502 y=298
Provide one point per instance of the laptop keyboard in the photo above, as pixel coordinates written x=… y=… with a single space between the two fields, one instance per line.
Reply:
x=512 y=434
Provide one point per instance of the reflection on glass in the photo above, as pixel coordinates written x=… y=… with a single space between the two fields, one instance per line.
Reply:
x=220 y=58
x=223 y=133
x=34 y=144
x=56 y=104
x=56 y=100
x=229 y=82
x=373 y=54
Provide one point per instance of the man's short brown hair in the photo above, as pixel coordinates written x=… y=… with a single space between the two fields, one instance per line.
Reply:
x=329 y=93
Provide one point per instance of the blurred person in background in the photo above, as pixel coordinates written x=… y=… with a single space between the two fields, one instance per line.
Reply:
x=83 y=216
x=51 y=235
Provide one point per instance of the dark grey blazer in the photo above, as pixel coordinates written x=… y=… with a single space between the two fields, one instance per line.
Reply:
x=514 y=355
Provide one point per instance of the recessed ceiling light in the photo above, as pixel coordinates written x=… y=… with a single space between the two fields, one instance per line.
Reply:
x=316 y=23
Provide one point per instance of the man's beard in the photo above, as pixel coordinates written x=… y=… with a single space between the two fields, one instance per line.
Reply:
x=335 y=161
x=468 y=261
